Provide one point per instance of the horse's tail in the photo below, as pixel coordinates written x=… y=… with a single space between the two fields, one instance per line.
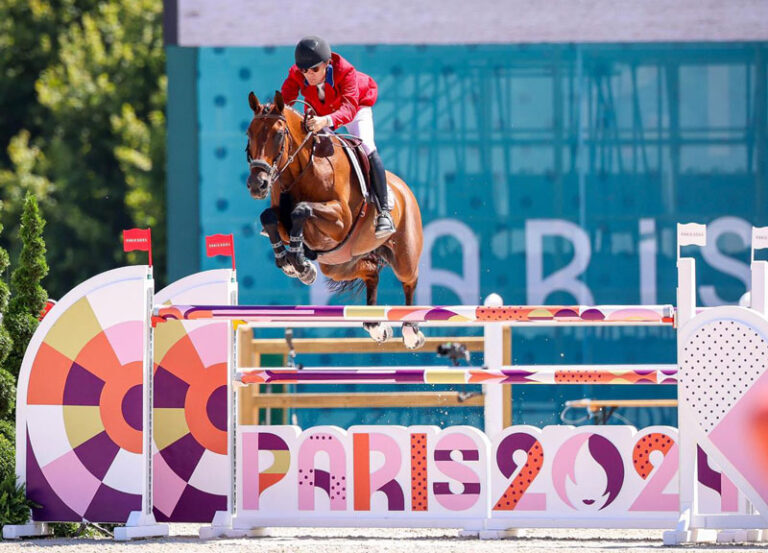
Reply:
x=380 y=257
x=353 y=287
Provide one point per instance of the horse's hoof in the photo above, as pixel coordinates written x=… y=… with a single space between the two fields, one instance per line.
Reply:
x=380 y=332
x=309 y=274
x=289 y=270
x=413 y=338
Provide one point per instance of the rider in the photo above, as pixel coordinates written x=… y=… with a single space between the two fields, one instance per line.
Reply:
x=342 y=97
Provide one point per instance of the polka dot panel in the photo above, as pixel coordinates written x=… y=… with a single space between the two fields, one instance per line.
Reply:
x=718 y=364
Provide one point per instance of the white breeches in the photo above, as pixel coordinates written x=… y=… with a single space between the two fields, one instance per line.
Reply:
x=362 y=126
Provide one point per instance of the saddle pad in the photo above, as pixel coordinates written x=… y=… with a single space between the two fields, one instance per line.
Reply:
x=353 y=159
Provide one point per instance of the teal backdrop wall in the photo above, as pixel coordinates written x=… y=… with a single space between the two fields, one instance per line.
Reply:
x=545 y=173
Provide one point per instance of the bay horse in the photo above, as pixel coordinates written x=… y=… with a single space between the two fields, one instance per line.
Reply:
x=318 y=209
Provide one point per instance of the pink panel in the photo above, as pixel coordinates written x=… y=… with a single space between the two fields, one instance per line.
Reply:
x=333 y=482
x=167 y=486
x=458 y=471
x=126 y=340
x=210 y=341
x=72 y=482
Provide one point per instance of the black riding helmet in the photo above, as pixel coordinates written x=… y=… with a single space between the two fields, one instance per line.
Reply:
x=310 y=51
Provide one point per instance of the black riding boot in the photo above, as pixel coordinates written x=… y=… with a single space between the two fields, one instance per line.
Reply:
x=384 y=224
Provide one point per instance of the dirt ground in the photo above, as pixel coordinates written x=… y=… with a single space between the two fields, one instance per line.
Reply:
x=184 y=539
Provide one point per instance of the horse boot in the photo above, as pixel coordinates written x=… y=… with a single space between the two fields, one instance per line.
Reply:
x=269 y=222
x=384 y=224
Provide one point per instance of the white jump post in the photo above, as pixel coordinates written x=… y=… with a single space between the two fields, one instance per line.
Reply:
x=142 y=524
x=493 y=359
x=691 y=234
x=759 y=269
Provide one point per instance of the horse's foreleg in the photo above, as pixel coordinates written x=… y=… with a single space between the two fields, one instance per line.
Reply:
x=304 y=268
x=269 y=222
x=328 y=219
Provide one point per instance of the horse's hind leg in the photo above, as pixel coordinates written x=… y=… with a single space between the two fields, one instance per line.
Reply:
x=413 y=338
x=369 y=271
x=407 y=272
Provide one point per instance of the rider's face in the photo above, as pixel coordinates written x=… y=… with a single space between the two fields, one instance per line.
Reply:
x=316 y=75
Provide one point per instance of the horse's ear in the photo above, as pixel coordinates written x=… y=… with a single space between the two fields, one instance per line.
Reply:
x=253 y=101
x=279 y=101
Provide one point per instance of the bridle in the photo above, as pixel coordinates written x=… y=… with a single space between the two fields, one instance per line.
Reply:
x=273 y=172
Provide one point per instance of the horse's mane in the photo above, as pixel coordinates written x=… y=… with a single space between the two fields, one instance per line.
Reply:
x=266 y=108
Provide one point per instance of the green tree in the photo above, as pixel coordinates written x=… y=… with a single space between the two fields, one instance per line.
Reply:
x=29 y=32
x=97 y=158
x=29 y=297
x=6 y=344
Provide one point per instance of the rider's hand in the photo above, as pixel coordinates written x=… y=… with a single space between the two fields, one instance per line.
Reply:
x=317 y=124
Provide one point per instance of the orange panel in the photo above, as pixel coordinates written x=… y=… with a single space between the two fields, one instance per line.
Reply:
x=48 y=377
x=362 y=471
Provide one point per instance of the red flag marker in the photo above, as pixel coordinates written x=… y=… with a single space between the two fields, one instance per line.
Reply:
x=138 y=239
x=48 y=305
x=220 y=244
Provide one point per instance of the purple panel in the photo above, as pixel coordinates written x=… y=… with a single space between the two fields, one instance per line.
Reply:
x=608 y=457
x=38 y=490
x=194 y=506
x=707 y=475
x=409 y=376
x=439 y=314
x=327 y=310
x=97 y=454
x=216 y=408
x=466 y=454
x=183 y=455
x=394 y=493
x=506 y=450
x=82 y=387
x=271 y=442
x=170 y=391
x=110 y=505
x=132 y=407
x=593 y=315
x=443 y=488
x=323 y=480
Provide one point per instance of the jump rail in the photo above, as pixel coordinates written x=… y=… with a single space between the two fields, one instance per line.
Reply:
x=517 y=374
x=451 y=315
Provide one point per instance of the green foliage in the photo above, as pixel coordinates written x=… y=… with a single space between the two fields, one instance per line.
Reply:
x=6 y=343
x=21 y=327
x=92 y=147
x=7 y=396
x=29 y=39
x=7 y=458
x=14 y=505
x=8 y=429
x=66 y=529
x=28 y=297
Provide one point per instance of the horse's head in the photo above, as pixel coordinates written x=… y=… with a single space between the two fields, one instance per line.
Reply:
x=267 y=144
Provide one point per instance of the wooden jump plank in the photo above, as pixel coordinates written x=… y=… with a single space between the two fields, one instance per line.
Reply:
x=597 y=404
x=387 y=399
x=357 y=345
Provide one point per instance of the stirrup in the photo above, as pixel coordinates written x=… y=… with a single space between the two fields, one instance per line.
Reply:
x=384 y=225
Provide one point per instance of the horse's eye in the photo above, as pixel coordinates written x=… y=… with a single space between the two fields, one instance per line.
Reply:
x=279 y=135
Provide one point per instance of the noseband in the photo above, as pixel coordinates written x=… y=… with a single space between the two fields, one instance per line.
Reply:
x=273 y=172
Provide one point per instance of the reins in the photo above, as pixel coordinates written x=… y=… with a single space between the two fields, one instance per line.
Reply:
x=273 y=171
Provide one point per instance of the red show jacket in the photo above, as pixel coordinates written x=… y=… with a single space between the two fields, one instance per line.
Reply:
x=346 y=90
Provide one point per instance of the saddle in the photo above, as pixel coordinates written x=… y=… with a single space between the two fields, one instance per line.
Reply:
x=353 y=146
